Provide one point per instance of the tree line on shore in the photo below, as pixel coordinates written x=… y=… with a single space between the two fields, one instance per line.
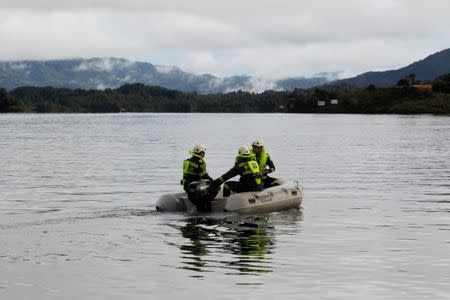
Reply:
x=405 y=98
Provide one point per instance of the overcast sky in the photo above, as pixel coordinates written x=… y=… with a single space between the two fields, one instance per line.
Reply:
x=266 y=38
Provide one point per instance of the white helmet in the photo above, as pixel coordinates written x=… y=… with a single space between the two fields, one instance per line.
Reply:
x=243 y=150
x=258 y=143
x=199 y=148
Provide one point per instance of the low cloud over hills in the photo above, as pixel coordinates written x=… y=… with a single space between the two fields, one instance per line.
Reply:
x=101 y=73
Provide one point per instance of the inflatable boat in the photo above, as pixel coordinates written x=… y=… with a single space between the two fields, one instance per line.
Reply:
x=287 y=195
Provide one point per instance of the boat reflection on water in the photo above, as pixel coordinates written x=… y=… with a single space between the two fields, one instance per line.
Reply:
x=242 y=245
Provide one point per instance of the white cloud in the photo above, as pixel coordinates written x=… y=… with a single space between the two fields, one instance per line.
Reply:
x=17 y=65
x=125 y=79
x=256 y=85
x=165 y=68
x=101 y=86
x=104 y=64
x=269 y=38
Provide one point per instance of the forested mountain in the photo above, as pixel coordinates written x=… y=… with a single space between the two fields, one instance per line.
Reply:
x=427 y=69
x=101 y=73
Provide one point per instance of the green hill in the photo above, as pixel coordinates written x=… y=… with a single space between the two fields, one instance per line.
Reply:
x=425 y=70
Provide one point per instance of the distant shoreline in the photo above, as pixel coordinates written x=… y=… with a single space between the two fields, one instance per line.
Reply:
x=139 y=98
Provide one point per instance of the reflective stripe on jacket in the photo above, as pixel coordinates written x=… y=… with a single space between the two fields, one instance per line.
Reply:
x=251 y=168
x=264 y=161
x=247 y=167
x=194 y=169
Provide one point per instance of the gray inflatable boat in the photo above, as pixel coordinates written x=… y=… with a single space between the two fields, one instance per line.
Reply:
x=288 y=195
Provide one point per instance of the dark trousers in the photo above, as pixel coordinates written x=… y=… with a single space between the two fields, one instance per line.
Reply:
x=270 y=182
x=237 y=187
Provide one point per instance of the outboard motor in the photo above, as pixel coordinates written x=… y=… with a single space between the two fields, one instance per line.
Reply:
x=200 y=194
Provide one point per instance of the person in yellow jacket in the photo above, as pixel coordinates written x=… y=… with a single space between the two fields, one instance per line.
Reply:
x=194 y=170
x=265 y=163
x=250 y=176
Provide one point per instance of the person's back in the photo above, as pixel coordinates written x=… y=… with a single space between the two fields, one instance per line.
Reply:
x=245 y=166
x=194 y=171
x=194 y=168
x=250 y=176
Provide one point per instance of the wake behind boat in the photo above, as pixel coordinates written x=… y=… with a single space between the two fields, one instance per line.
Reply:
x=287 y=195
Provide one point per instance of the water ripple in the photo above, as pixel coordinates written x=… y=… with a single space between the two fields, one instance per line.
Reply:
x=78 y=194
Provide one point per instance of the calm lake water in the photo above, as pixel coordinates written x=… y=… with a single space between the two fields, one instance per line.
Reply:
x=78 y=218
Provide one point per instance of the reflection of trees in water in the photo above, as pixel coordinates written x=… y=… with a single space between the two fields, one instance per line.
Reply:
x=197 y=248
x=250 y=240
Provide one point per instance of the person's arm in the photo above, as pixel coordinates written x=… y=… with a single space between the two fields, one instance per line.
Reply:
x=230 y=174
x=270 y=164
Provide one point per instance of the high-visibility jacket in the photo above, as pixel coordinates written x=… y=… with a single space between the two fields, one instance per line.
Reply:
x=247 y=167
x=194 y=169
x=264 y=161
